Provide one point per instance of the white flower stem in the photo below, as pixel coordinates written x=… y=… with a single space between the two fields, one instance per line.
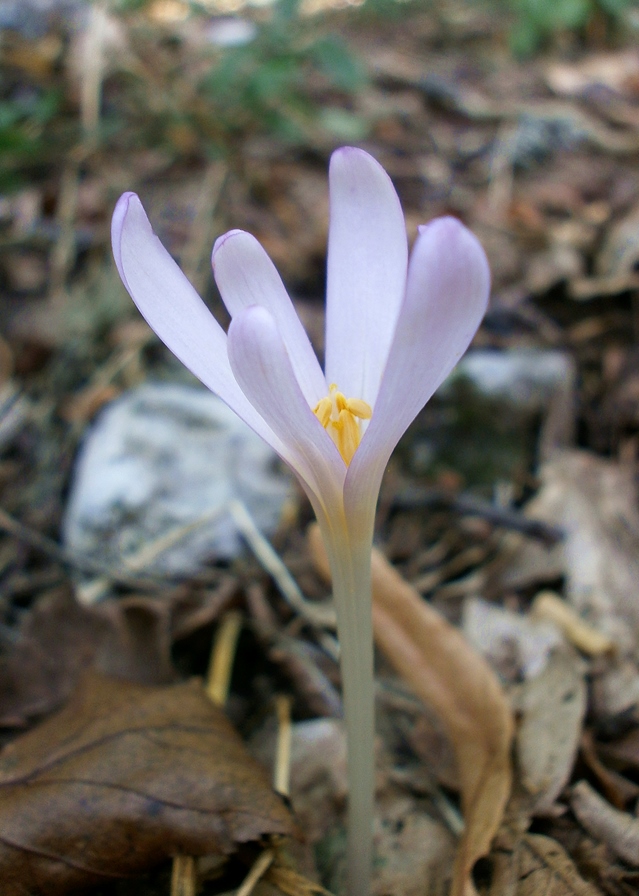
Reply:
x=350 y=560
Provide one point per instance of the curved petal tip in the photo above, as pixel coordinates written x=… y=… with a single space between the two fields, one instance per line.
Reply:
x=458 y=249
x=117 y=226
x=219 y=242
x=352 y=156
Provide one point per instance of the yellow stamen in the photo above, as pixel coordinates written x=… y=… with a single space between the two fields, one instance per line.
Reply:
x=340 y=418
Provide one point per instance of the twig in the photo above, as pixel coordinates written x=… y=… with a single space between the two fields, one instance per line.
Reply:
x=222 y=656
x=183 y=877
x=184 y=874
x=471 y=556
x=465 y=505
x=296 y=660
x=63 y=251
x=93 y=72
x=259 y=868
x=282 y=772
x=151 y=551
x=294 y=656
x=66 y=558
x=320 y=615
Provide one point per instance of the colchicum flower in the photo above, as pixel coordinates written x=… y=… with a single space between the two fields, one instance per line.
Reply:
x=395 y=328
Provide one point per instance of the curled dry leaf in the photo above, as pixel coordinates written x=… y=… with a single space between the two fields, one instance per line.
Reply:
x=618 y=830
x=595 y=502
x=414 y=850
x=130 y=638
x=122 y=778
x=553 y=707
x=443 y=670
x=617 y=788
x=534 y=865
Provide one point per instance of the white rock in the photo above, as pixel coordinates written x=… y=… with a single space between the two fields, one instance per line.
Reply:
x=158 y=460
x=526 y=377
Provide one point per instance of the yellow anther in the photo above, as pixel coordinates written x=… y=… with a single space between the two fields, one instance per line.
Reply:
x=359 y=408
x=340 y=418
x=323 y=411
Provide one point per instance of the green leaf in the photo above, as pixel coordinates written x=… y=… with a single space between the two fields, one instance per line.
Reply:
x=333 y=58
x=343 y=124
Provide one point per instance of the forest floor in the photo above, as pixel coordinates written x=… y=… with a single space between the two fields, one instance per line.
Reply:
x=509 y=511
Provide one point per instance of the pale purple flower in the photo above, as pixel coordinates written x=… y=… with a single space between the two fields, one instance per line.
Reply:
x=395 y=328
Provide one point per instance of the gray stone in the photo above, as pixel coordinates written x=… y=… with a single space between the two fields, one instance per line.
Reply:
x=155 y=468
x=527 y=377
x=498 y=414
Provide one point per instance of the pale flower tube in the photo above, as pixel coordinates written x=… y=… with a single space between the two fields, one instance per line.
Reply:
x=395 y=328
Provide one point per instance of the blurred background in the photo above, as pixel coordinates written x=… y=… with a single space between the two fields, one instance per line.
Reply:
x=519 y=116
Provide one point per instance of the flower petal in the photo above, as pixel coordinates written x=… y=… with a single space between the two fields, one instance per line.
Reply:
x=263 y=369
x=174 y=310
x=366 y=272
x=446 y=297
x=246 y=276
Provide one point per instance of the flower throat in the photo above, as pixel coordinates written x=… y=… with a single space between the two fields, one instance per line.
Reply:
x=340 y=417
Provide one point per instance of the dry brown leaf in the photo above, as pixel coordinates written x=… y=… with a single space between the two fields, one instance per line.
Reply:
x=130 y=638
x=122 y=778
x=595 y=502
x=616 y=70
x=445 y=672
x=553 y=707
x=618 y=790
x=414 y=850
x=537 y=866
x=618 y=830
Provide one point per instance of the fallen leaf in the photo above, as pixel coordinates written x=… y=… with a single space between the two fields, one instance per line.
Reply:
x=414 y=850
x=122 y=778
x=535 y=865
x=445 y=672
x=617 y=789
x=614 y=70
x=615 y=690
x=129 y=638
x=595 y=502
x=55 y=643
x=516 y=645
x=553 y=707
x=618 y=830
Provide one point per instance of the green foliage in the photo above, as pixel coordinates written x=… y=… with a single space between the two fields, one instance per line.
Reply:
x=292 y=81
x=24 y=118
x=331 y=57
x=390 y=10
x=127 y=5
x=538 y=21
x=271 y=84
x=177 y=91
